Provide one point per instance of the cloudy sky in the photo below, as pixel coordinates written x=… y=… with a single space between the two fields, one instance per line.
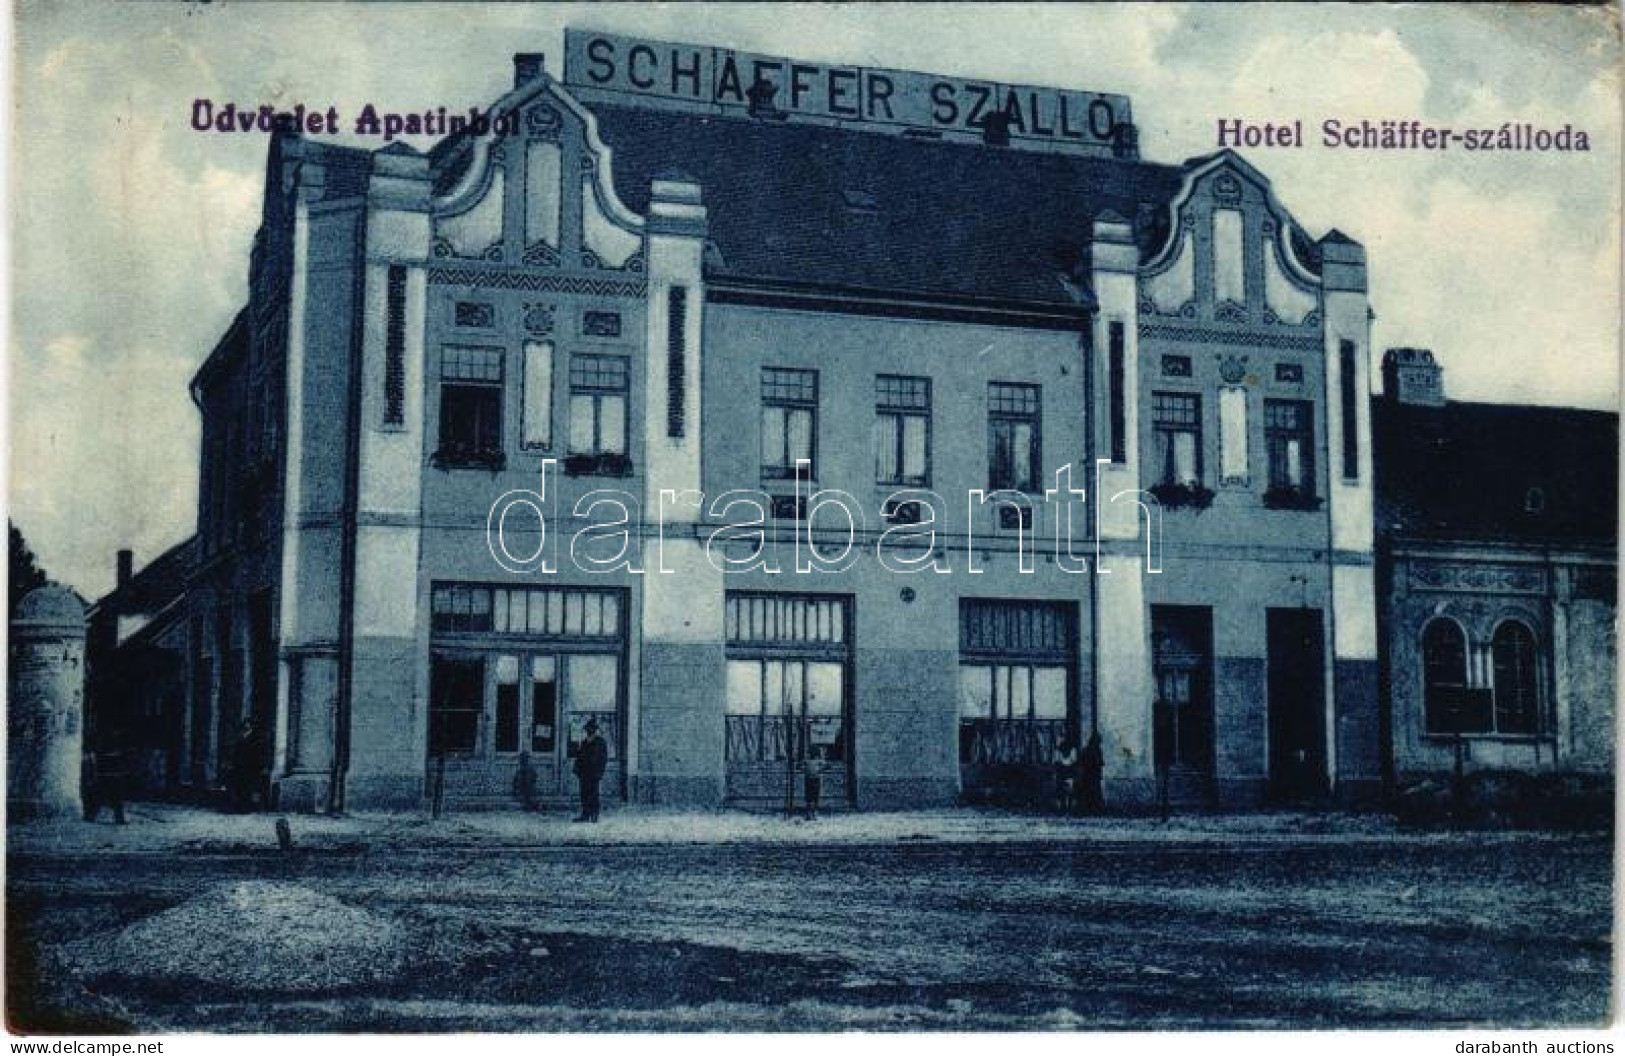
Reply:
x=130 y=232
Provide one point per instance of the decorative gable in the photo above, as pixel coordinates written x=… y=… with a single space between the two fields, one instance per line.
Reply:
x=1230 y=257
x=541 y=197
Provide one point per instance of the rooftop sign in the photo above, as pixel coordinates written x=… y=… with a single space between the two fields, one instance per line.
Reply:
x=614 y=68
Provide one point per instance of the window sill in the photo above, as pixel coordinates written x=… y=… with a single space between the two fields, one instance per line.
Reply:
x=1501 y=738
x=773 y=487
x=1182 y=496
x=1291 y=499
x=788 y=508
x=777 y=476
x=602 y=465
x=491 y=461
x=1014 y=520
x=908 y=511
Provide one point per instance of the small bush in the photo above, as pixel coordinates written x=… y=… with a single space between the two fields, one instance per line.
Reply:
x=1508 y=799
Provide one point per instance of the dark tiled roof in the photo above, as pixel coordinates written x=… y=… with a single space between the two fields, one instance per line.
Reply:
x=1464 y=471
x=822 y=206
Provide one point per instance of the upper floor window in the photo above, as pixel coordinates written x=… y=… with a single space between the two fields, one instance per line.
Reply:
x=902 y=430
x=471 y=404
x=1013 y=437
x=789 y=421
x=1289 y=438
x=1177 y=438
x=1512 y=652
x=598 y=389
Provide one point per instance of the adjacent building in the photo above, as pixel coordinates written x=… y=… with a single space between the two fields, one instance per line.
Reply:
x=1498 y=528
x=135 y=668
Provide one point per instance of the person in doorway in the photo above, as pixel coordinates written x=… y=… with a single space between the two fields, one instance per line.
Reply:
x=1091 y=799
x=103 y=776
x=1066 y=776
x=524 y=783
x=246 y=779
x=812 y=772
x=87 y=785
x=592 y=757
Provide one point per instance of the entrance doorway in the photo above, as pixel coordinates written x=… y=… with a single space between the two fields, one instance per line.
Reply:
x=1017 y=698
x=506 y=725
x=515 y=676
x=1182 y=706
x=782 y=713
x=1297 y=705
x=788 y=707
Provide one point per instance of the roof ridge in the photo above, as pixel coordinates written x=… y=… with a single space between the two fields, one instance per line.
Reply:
x=1498 y=405
x=926 y=141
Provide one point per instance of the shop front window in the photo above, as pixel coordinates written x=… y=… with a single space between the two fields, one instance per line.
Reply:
x=456 y=701
x=1011 y=713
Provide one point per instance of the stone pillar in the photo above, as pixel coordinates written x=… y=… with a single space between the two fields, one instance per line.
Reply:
x=1123 y=641
x=45 y=717
x=675 y=755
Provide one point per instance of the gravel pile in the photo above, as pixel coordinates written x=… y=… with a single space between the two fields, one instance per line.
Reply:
x=254 y=935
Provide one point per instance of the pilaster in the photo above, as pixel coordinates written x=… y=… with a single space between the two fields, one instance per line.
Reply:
x=1123 y=710
x=675 y=754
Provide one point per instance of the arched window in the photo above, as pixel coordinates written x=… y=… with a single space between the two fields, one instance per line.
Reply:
x=1444 y=675
x=1516 y=705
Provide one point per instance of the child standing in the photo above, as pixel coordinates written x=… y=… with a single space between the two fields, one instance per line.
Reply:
x=812 y=770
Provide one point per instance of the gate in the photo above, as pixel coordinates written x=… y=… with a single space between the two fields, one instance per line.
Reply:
x=1018 y=697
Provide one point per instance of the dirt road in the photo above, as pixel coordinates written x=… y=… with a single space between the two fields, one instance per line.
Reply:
x=1387 y=931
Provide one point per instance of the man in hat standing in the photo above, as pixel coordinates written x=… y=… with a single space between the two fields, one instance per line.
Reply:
x=592 y=756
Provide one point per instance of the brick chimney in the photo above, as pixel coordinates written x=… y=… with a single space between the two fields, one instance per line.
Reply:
x=126 y=566
x=527 y=66
x=1410 y=375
